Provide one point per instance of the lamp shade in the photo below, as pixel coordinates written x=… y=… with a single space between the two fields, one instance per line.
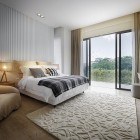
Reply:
x=6 y=66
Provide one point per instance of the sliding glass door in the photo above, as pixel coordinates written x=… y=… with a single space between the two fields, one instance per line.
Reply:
x=103 y=61
x=86 y=55
x=107 y=60
x=124 y=60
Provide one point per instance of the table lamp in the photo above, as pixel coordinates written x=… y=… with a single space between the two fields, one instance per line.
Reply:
x=5 y=67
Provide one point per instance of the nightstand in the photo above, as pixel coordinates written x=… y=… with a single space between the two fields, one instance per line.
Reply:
x=9 y=83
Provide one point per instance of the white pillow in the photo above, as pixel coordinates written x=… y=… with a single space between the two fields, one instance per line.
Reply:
x=26 y=69
x=60 y=73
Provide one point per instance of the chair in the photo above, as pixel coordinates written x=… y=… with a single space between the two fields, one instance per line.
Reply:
x=136 y=90
x=10 y=100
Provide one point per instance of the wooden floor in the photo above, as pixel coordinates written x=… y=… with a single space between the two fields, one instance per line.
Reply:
x=18 y=127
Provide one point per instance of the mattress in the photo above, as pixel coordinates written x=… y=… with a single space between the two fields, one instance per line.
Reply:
x=29 y=86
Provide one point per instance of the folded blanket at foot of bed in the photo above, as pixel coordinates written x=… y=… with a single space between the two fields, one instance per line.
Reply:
x=63 y=83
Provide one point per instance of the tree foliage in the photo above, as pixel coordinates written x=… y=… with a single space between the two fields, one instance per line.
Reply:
x=103 y=69
x=109 y=63
x=104 y=63
x=126 y=63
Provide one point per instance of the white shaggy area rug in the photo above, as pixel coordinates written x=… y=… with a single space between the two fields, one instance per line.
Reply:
x=90 y=116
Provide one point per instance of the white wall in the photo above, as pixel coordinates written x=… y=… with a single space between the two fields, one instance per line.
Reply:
x=62 y=49
x=58 y=47
x=22 y=38
x=67 y=51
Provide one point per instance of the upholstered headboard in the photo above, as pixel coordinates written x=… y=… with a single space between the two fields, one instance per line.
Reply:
x=43 y=63
x=18 y=64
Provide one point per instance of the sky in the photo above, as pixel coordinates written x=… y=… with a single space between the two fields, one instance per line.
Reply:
x=104 y=46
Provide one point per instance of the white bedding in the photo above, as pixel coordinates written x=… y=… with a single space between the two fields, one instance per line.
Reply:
x=29 y=86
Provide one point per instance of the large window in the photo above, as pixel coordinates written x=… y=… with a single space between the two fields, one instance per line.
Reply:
x=107 y=60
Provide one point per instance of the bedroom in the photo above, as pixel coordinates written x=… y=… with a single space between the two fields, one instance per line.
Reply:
x=25 y=36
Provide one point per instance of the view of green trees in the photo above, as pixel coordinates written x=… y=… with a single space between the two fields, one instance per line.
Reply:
x=103 y=69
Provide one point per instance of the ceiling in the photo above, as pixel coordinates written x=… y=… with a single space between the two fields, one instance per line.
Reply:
x=74 y=13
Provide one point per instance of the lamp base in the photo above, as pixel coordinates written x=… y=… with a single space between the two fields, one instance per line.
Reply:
x=3 y=75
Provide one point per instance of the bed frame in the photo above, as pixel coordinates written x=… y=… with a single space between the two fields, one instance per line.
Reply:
x=54 y=100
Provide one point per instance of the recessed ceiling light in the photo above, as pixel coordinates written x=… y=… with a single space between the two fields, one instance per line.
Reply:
x=42 y=16
x=38 y=14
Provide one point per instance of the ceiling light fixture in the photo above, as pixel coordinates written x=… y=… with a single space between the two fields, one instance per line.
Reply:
x=42 y=16
x=38 y=14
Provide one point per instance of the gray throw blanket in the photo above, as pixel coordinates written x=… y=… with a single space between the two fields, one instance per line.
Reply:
x=64 y=83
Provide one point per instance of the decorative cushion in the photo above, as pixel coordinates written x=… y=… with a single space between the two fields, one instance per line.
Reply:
x=52 y=72
x=37 y=72
x=44 y=67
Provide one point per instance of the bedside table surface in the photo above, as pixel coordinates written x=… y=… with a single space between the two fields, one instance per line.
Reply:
x=9 y=83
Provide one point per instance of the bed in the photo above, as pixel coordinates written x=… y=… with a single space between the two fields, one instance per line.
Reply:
x=28 y=85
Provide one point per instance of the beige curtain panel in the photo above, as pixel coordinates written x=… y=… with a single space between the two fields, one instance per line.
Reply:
x=75 y=51
x=137 y=45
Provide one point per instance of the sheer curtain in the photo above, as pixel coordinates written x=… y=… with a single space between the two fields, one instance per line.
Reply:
x=75 y=51
x=137 y=46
